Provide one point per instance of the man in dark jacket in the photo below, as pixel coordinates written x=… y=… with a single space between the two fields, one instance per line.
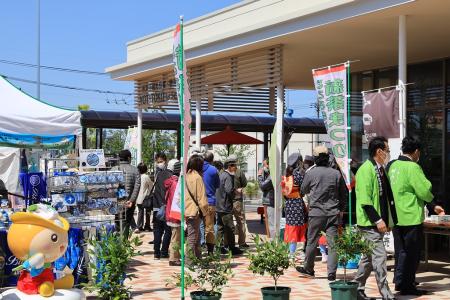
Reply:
x=266 y=186
x=327 y=198
x=212 y=183
x=132 y=186
x=240 y=182
x=224 y=207
x=162 y=231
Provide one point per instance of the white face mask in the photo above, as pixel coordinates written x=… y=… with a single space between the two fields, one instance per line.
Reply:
x=387 y=159
x=160 y=165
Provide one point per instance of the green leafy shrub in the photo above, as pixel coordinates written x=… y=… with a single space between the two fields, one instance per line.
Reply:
x=209 y=274
x=271 y=257
x=349 y=245
x=113 y=254
x=251 y=190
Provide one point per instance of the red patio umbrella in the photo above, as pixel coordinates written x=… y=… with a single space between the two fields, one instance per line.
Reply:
x=230 y=137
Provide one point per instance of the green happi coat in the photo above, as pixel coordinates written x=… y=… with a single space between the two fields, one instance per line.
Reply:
x=368 y=194
x=411 y=190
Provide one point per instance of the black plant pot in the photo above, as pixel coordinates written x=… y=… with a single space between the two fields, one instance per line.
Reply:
x=281 y=293
x=200 y=295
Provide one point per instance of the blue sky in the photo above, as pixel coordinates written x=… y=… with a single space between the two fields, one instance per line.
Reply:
x=91 y=35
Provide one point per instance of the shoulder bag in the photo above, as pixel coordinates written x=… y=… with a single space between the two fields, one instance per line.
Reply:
x=195 y=201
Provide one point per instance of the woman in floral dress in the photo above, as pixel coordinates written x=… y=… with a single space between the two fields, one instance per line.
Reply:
x=295 y=209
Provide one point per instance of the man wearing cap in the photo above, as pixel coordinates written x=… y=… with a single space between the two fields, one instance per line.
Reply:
x=240 y=182
x=212 y=183
x=224 y=207
x=327 y=201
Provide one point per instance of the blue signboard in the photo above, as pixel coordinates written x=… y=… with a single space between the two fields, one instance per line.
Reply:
x=37 y=141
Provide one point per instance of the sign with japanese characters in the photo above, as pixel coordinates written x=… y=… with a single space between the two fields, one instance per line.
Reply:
x=331 y=87
x=381 y=114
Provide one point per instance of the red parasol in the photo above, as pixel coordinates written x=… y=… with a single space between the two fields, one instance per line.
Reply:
x=230 y=137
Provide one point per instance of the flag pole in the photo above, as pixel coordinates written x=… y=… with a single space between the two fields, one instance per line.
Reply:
x=183 y=167
x=349 y=145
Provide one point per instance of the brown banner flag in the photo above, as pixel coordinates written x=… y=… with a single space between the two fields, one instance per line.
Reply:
x=380 y=114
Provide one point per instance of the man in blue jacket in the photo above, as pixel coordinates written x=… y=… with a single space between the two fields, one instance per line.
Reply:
x=212 y=183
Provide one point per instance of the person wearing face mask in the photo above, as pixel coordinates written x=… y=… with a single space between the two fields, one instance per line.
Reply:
x=162 y=232
x=375 y=214
x=266 y=186
x=412 y=191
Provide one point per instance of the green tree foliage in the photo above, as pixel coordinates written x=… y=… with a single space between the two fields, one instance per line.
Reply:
x=83 y=107
x=242 y=153
x=113 y=253
x=209 y=274
x=349 y=245
x=153 y=141
x=271 y=257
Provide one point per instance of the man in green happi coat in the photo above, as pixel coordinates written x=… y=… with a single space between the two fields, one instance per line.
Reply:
x=412 y=191
x=375 y=214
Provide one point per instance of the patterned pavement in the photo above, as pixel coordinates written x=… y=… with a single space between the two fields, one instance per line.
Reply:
x=152 y=275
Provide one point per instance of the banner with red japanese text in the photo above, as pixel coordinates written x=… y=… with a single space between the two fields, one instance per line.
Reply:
x=331 y=87
x=181 y=77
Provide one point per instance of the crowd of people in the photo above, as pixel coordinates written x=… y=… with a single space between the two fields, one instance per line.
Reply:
x=390 y=195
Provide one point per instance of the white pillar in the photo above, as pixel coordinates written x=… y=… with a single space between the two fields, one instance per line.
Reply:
x=276 y=180
x=139 y=137
x=402 y=65
x=198 y=123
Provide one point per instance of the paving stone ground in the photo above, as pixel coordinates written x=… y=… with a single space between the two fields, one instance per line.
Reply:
x=152 y=275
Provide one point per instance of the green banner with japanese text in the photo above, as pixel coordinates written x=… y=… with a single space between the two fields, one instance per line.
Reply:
x=331 y=87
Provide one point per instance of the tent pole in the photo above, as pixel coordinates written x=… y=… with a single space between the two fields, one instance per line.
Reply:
x=39 y=49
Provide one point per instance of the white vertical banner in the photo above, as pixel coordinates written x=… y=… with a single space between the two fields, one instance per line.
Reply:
x=181 y=74
x=131 y=143
x=331 y=87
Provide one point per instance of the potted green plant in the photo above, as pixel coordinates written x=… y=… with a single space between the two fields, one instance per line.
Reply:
x=209 y=274
x=270 y=257
x=348 y=246
x=113 y=254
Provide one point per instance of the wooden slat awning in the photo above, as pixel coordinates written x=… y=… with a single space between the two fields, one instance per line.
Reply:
x=243 y=83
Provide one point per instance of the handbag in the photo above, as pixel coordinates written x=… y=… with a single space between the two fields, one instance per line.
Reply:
x=195 y=201
x=161 y=213
x=148 y=200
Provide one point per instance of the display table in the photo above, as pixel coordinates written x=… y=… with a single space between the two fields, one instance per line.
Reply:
x=437 y=229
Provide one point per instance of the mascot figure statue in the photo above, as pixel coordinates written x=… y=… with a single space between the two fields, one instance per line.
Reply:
x=38 y=237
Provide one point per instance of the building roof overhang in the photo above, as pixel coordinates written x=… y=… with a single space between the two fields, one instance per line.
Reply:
x=313 y=34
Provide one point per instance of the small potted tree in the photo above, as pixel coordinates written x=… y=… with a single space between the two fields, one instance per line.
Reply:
x=209 y=274
x=349 y=245
x=270 y=257
x=113 y=254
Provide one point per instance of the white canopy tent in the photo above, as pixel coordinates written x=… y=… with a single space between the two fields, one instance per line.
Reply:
x=32 y=123
x=26 y=122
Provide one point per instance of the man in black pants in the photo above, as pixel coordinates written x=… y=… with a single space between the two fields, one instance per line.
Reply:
x=412 y=190
x=132 y=186
x=162 y=232
x=224 y=207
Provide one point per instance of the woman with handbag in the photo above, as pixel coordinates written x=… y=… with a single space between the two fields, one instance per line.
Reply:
x=173 y=217
x=144 y=192
x=196 y=203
